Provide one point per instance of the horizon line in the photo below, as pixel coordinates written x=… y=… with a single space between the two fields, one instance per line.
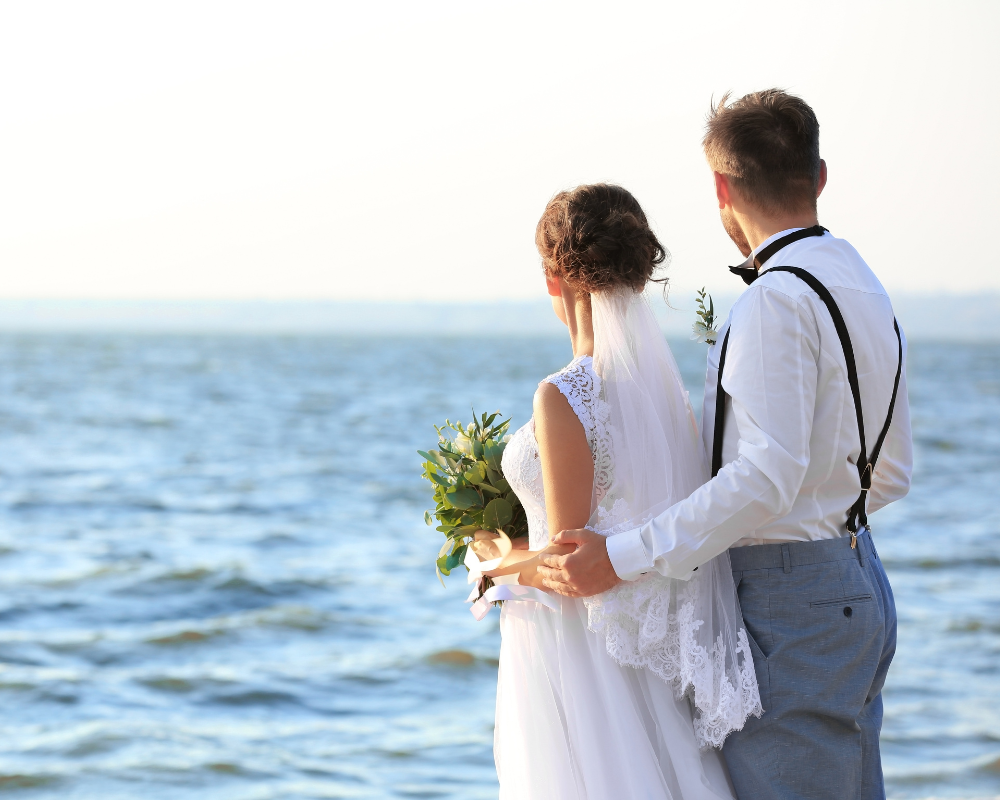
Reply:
x=437 y=301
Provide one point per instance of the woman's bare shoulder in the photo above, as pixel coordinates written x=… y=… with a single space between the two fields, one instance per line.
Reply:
x=553 y=411
x=549 y=400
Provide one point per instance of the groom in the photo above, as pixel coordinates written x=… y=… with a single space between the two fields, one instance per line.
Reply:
x=797 y=466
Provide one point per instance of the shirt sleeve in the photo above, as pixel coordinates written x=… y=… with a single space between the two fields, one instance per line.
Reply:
x=894 y=468
x=771 y=375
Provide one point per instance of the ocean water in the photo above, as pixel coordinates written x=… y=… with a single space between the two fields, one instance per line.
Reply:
x=215 y=581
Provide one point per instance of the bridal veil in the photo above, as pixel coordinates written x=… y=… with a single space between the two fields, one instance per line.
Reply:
x=648 y=456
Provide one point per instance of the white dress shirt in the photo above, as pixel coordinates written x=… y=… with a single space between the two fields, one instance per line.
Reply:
x=791 y=443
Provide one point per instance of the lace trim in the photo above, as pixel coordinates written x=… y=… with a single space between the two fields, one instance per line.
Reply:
x=650 y=623
x=581 y=386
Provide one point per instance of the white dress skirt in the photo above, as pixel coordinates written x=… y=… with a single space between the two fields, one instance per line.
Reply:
x=571 y=722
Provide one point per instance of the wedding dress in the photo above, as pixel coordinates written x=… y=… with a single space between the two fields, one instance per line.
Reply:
x=626 y=694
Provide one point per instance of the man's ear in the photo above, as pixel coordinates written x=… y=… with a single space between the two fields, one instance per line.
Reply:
x=722 y=190
x=822 y=177
x=553 y=286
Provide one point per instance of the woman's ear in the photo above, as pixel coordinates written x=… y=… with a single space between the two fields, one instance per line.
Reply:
x=553 y=285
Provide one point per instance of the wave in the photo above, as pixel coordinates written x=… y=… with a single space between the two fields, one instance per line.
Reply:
x=460 y=658
x=941 y=563
x=18 y=780
x=949 y=771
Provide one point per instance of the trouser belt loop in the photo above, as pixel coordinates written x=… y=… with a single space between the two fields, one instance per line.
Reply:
x=786 y=558
x=864 y=542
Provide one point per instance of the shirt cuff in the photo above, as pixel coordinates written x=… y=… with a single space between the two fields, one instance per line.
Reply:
x=627 y=554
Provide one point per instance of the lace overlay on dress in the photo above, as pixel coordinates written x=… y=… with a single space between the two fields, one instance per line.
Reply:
x=650 y=622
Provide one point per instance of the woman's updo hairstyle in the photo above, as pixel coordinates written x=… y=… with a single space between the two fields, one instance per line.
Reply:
x=597 y=238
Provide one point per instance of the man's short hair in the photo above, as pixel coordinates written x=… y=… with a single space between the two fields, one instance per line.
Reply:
x=767 y=143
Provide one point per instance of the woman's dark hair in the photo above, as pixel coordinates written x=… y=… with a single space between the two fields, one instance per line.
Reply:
x=597 y=237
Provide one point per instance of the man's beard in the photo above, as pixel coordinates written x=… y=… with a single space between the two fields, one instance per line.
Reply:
x=735 y=231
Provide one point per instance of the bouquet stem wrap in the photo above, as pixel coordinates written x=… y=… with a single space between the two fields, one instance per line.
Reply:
x=505 y=586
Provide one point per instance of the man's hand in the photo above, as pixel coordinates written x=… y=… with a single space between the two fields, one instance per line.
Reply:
x=584 y=572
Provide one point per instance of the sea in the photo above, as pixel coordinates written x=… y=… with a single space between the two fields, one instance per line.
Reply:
x=216 y=582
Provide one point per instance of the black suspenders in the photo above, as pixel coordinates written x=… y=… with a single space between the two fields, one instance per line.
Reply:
x=856 y=514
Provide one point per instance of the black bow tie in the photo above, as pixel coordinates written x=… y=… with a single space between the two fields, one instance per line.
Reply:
x=749 y=269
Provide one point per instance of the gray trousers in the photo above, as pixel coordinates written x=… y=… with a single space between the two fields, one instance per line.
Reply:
x=822 y=626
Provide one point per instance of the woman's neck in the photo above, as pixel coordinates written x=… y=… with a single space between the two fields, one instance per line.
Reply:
x=579 y=321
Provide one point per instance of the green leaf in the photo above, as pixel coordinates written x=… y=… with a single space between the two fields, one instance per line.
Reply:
x=494 y=455
x=502 y=485
x=489 y=489
x=464 y=498
x=476 y=473
x=428 y=519
x=432 y=456
x=456 y=558
x=442 y=564
x=438 y=479
x=497 y=514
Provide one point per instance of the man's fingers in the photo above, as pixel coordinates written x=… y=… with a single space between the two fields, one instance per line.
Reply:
x=556 y=580
x=554 y=561
x=560 y=588
x=569 y=537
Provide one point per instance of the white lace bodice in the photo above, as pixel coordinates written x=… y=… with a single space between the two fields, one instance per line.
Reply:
x=581 y=386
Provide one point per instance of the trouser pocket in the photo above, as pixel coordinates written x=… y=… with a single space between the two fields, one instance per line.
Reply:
x=836 y=601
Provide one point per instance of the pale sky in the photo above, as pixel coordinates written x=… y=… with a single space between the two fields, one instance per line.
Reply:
x=402 y=150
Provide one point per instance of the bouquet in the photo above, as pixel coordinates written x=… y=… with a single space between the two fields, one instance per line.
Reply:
x=470 y=492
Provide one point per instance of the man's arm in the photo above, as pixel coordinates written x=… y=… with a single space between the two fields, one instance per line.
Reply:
x=894 y=467
x=771 y=376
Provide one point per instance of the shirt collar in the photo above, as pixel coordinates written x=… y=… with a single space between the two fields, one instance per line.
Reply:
x=765 y=243
x=748 y=271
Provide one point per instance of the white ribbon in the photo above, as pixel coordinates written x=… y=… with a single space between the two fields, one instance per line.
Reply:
x=507 y=591
x=505 y=587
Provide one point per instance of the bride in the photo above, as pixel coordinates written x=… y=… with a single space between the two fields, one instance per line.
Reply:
x=629 y=693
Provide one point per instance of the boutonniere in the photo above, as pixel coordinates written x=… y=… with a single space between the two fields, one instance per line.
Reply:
x=704 y=328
